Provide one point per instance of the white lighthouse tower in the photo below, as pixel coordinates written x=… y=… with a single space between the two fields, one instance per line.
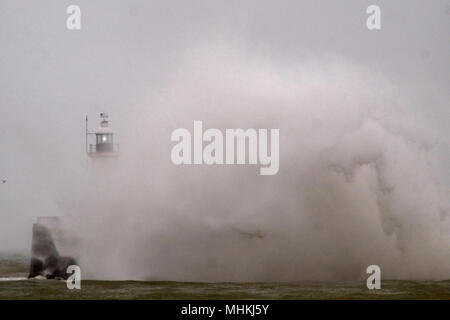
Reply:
x=101 y=150
x=104 y=146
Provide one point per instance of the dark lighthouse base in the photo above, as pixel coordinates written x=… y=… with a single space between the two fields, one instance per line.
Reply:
x=45 y=258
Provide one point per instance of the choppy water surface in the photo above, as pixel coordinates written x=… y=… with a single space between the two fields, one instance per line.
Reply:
x=14 y=285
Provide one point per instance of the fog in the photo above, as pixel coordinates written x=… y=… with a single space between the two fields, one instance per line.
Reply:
x=364 y=137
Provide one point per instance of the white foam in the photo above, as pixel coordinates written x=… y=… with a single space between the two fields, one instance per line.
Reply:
x=12 y=278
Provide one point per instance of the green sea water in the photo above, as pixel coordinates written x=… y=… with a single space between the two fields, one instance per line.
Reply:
x=14 y=285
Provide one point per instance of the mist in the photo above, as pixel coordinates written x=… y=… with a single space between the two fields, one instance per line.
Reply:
x=358 y=182
x=363 y=175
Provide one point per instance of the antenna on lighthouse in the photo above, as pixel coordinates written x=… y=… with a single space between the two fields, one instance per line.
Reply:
x=86 y=146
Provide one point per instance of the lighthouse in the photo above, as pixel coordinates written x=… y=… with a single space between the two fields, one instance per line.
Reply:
x=52 y=248
x=104 y=146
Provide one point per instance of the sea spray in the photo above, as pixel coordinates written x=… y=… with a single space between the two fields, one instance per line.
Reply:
x=358 y=184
